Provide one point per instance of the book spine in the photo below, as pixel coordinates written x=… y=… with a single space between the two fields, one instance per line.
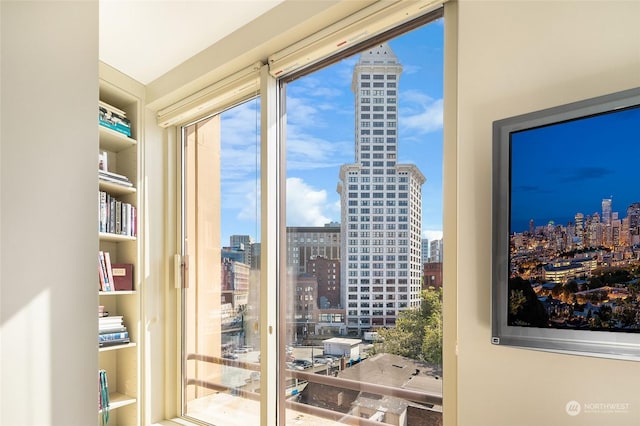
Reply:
x=112 y=330
x=107 y=261
x=101 y=281
x=106 y=343
x=102 y=220
x=103 y=401
x=102 y=272
x=134 y=221
x=113 y=336
x=112 y=215
x=118 y=221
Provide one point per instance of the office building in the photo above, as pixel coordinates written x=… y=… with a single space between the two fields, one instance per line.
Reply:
x=381 y=203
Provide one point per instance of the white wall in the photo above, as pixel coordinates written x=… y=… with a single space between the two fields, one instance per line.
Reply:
x=48 y=235
x=515 y=57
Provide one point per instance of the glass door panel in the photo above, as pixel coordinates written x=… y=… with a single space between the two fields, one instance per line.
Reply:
x=364 y=207
x=221 y=334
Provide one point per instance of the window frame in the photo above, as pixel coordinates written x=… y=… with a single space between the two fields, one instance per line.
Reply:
x=273 y=239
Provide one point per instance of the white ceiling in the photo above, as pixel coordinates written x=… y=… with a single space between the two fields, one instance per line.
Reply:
x=146 y=38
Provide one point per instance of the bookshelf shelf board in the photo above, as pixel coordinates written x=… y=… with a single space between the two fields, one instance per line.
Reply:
x=117 y=347
x=117 y=400
x=105 y=236
x=114 y=188
x=116 y=293
x=114 y=141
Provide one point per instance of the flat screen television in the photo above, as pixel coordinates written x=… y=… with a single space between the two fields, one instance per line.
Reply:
x=566 y=228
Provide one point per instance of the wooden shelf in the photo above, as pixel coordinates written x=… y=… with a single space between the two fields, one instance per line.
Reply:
x=117 y=293
x=124 y=157
x=117 y=400
x=114 y=141
x=117 y=347
x=105 y=236
x=114 y=188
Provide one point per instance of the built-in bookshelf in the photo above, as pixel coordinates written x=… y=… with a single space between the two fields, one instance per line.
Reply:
x=118 y=169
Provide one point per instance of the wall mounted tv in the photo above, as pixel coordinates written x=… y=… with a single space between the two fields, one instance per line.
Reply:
x=566 y=228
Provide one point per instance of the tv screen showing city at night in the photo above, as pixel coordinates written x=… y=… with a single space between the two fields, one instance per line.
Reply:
x=574 y=231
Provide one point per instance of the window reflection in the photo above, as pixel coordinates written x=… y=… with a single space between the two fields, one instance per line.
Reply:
x=221 y=355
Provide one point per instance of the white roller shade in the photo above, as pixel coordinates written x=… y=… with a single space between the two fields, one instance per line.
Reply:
x=216 y=97
x=366 y=23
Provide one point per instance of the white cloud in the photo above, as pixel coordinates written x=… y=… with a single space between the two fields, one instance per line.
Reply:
x=432 y=234
x=421 y=114
x=305 y=205
x=242 y=197
x=240 y=141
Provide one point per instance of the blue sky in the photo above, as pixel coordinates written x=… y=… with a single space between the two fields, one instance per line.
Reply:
x=320 y=138
x=564 y=169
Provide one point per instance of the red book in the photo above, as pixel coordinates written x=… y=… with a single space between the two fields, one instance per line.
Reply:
x=122 y=276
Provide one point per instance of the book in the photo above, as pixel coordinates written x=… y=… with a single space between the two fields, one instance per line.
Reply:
x=116 y=329
x=118 y=219
x=102 y=211
x=108 y=178
x=110 y=107
x=102 y=337
x=122 y=276
x=111 y=319
x=103 y=277
x=107 y=261
x=108 y=343
x=103 y=396
x=102 y=326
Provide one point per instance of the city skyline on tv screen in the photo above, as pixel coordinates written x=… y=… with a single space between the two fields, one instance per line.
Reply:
x=575 y=224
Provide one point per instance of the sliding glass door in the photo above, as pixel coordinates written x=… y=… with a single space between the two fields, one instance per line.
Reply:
x=312 y=248
x=363 y=207
x=221 y=310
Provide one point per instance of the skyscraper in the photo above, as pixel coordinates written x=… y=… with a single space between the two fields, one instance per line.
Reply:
x=381 y=203
x=606 y=222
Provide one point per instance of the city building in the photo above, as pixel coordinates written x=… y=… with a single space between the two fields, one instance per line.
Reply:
x=244 y=244
x=308 y=242
x=432 y=275
x=327 y=273
x=435 y=251
x=425 y=251
x=302 y=312
x=381 y=204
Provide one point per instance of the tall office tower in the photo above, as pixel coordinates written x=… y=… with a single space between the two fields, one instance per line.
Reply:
x=425 y=251
x=606 y=211
x=606 y=221
x=579 y=230
x=381 y=204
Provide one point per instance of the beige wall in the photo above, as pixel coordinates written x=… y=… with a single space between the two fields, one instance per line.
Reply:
x=515 y=57
x=48 y=234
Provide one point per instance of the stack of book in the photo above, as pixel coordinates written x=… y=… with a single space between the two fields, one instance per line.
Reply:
x=113 y=118
x=109 y=176
x=112 y=177
x=112 y=331
x=116 y=216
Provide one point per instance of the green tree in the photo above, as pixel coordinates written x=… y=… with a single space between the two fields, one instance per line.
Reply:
x=418 y=332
